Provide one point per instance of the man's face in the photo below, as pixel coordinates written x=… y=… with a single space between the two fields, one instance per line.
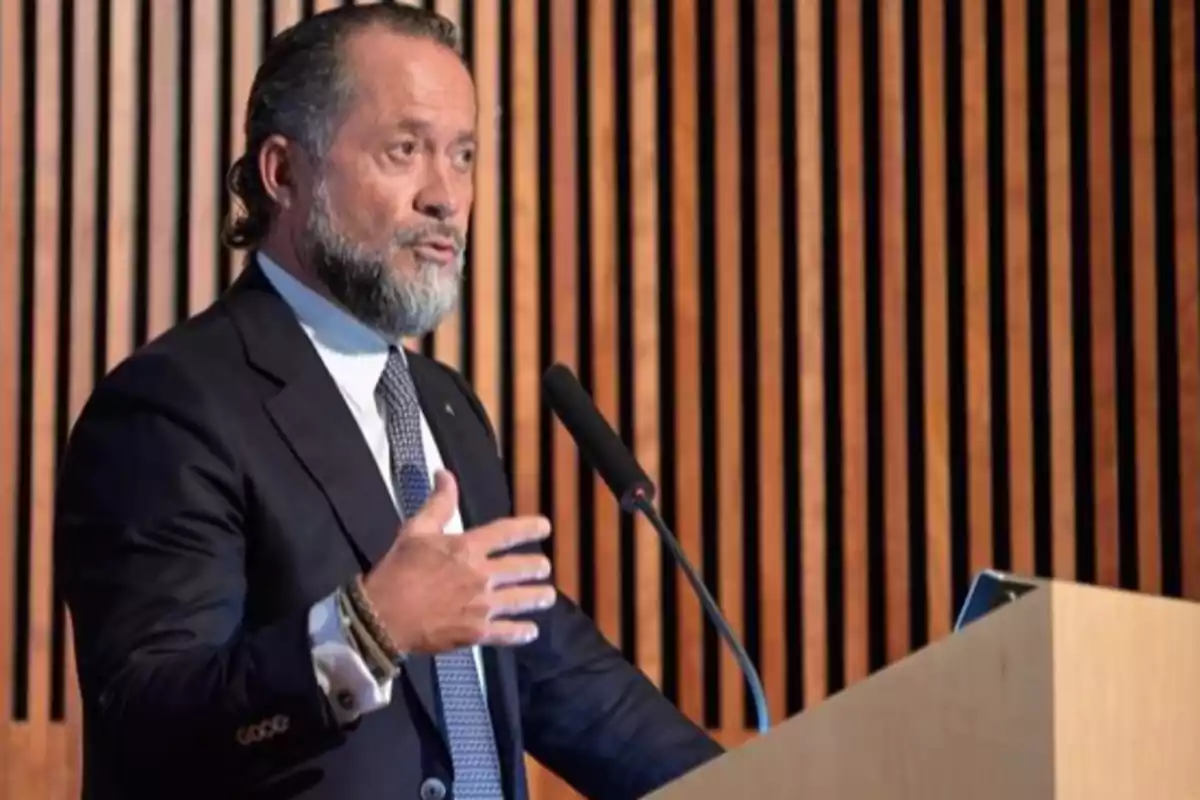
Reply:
x=387 y=220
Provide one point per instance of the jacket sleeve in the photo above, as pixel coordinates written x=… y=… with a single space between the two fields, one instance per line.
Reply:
x=151 y=544
x=587 y=713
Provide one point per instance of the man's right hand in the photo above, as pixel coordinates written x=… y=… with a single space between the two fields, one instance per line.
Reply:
x=436 y=592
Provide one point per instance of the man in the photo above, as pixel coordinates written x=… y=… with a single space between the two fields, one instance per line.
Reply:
x=260 y=516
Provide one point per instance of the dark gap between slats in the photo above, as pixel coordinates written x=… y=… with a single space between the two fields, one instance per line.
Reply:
x=831 y=285
x=266 y=24
x=142 y=167
x=546 y=221
x=877 y=610
x=793 y=574
x=466 y=298
x=228 y=142
x=914 y=231
x=960 y=519
x=101 y=216
x=22 y=581
x=587 y=483
x=1081 y=283
x=751 y=293
x=1168 y=344
x=310 y=7
x=668 y=404
x=626 y=368
x=997 y=218
x=1043 y=421
x=711 y=568
x=183 y=166
x=505 y=280
x=1123 y=282
x=62 y=356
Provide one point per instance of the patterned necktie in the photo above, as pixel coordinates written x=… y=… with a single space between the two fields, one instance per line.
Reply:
x=472 y=741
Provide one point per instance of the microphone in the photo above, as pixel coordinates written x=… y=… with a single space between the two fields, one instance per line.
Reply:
x=608 y=455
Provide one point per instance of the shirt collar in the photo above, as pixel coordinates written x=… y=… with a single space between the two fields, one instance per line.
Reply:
x=354 y=353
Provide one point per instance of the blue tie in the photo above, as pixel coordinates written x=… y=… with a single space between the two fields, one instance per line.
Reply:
x=472 y=741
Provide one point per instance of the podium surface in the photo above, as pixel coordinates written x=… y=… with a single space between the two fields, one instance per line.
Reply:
x=1070 y=692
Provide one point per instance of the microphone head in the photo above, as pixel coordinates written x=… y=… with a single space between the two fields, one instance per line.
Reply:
x=599 y=443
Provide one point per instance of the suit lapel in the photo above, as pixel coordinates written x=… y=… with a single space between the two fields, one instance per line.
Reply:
x=311 y=416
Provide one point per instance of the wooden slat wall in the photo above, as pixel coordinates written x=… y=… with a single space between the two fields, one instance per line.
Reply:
x=880 y=292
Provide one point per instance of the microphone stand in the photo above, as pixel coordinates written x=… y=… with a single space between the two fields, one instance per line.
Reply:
x=643 y=504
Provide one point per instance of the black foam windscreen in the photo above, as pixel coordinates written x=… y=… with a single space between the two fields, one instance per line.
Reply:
x=599 y=443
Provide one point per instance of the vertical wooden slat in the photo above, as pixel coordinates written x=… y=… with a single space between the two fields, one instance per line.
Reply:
x=1060 y=285
x=484 y=283
x=894 y=303
x=207 y=175
x=38 y=732
x=1018 y=299
x=1104 y=359
x=812 y=366
x=605 y=374
x=83 y=302
x=164 y=141
x=975 y=270
x=644 y=140
x=447 y=339
x=122 y=155
x=686 y=235
x=853 y=334
x=564 y=244
x=935 y=335
x=524 y=264
x=12 y=75
x=1145 y=295
x=287 y=13
x=1187 y=285
x=771 y=493
x=246 y=38
x=728 y=325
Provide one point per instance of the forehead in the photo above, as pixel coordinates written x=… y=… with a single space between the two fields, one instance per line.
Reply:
x=399 y=76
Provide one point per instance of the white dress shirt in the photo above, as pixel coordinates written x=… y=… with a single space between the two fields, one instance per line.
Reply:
x=355 y=356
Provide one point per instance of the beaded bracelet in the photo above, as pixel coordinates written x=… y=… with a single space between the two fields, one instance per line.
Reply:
x=364 y=610
x=381 y=667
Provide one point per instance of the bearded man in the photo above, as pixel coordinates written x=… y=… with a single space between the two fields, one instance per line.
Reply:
x=287 y=545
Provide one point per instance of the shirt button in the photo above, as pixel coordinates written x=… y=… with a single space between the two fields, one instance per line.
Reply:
x=433 y=789
x=345 y=699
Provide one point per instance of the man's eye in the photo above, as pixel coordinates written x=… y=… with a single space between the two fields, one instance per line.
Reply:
x=464 y=159
x=405 y=149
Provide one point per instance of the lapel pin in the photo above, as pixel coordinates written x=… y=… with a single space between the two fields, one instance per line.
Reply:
x=449 y=409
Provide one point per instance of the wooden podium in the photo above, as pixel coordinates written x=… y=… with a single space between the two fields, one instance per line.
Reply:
x=1071 y=692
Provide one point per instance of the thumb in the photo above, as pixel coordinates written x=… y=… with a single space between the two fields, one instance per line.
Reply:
x=439 y=507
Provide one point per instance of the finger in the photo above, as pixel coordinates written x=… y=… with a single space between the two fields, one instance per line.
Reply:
x=439 y=507
x=506 y=534
x=521 y=600
x=517 y=569
x=508 y=633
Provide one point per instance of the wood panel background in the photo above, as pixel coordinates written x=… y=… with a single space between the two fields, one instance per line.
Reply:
x=880 y=291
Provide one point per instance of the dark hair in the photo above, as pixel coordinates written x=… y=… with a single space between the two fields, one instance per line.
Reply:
x=299 y=91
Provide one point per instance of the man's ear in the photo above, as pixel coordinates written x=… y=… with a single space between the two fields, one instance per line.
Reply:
x=278 y=168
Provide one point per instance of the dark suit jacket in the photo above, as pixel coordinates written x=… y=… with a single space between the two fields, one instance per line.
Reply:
x=215 y=487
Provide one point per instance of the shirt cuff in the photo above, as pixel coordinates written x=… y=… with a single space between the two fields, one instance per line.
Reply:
x=341 y=671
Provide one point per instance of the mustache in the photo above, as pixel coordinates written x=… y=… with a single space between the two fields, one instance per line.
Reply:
x=416 y=234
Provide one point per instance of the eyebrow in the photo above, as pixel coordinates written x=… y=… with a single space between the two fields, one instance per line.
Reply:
x=422 y=127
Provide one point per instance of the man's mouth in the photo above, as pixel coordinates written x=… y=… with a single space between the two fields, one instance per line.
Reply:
x=436 y=249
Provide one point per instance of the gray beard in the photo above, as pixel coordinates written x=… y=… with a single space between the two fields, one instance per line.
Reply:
x=363 y=281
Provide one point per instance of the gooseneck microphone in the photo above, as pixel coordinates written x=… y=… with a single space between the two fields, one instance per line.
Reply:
x=609 y=456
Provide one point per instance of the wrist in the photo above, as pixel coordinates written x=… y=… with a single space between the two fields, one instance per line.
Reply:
x=367 y=626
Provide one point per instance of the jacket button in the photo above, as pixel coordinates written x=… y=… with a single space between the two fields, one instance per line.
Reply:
x=433 y=789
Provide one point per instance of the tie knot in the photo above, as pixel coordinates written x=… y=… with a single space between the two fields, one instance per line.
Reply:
x=395 y=380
